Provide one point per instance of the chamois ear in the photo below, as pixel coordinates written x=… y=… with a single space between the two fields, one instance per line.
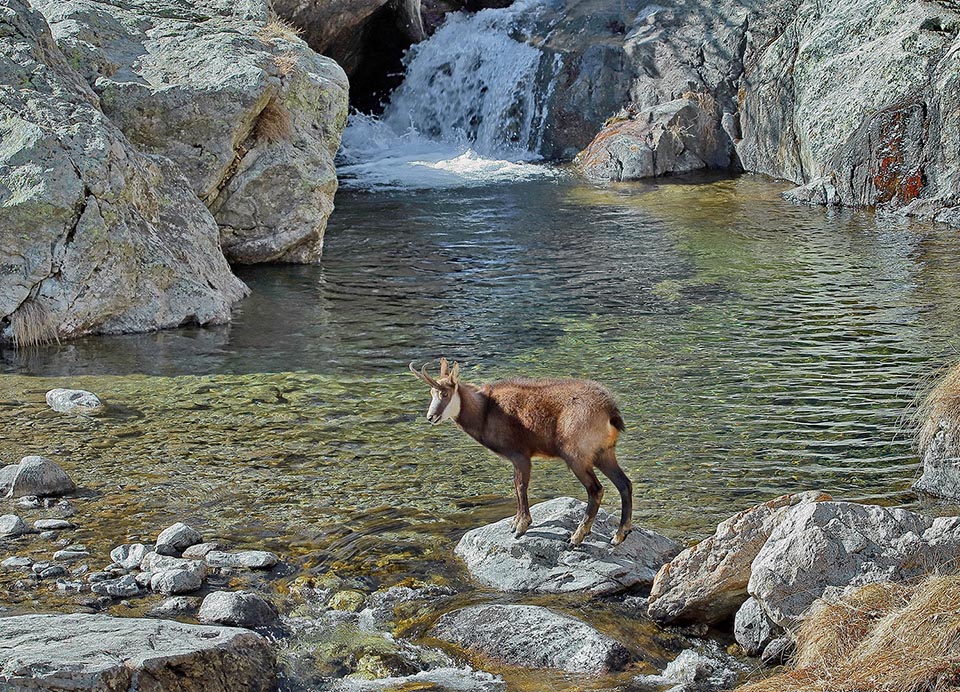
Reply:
x=443 y=368
x=455 y=373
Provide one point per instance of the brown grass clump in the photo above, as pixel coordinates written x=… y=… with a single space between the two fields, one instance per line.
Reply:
x=285 y=62
x=32 y=325
x=274 y=123
x=704 y=99
x=940 y=405
x=892 y=638
x=278 y=27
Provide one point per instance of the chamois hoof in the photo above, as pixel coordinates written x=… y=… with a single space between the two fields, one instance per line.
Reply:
x=620 y=536
x=521 y=526
x=576 y=538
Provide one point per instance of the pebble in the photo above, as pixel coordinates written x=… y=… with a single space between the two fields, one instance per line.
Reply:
x=71 y=554
x=254 y=559
x=52 y=525
x=69 y=586
x=29 y=502
x=51 y=572
x=49 y=535
x=178 y=606
x=117 y=588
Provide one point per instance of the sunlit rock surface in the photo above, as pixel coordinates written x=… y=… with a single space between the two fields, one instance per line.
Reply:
x=542 y=559
x=248 y=112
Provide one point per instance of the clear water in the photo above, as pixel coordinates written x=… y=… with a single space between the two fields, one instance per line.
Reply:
x=756 y=347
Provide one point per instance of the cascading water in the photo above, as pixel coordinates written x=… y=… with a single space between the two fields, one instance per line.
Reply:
x=471 y=108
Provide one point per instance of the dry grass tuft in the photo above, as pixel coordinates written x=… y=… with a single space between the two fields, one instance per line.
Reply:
x=274 y=123
x=940 y=405
x=285 y=62
x=278 y=27
x=704 y=100
x=32 y=325
x=893 y=638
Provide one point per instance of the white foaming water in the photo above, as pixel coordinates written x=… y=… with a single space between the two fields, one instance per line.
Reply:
x=469 y=111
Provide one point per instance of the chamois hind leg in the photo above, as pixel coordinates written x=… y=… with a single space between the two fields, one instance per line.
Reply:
x=607 y=463
x=584 y=473
x=521 y=481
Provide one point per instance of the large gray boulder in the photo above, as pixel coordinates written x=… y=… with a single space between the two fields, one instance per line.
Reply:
x=823 y=549
x=861 y=97
x=245 y=108
x=708 y=582
x=99 y=652
x=73 y=401
x=96 y=237
x=36 y=476
x=238 y=608
x=532 y=636
x=542 y=559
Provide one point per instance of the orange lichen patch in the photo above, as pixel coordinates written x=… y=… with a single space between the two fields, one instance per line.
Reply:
x=898 y=178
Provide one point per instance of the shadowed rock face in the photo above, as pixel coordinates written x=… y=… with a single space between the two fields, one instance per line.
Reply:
x=247 y=110
x=119 y=654
x=96 y=236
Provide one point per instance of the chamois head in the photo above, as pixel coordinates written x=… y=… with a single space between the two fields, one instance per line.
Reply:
x=444 y=391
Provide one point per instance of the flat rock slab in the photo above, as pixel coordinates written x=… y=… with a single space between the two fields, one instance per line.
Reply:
x=99 y=652
x=542 y=560
x=532 y=636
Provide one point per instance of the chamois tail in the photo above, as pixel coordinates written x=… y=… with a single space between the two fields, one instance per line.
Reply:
x=616 y=420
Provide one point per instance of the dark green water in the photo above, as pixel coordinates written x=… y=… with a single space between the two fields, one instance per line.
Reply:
x=756 y=347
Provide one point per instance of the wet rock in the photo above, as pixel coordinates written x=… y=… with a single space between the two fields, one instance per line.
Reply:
x=176 y=607
x=6 y=476
x=11 y=525
x=695 y=670
x=676 y=137
x=173 y=575
x=708 y=582
x=403 y=602
x=252 y=559
x=20 y=563
x=49 y=535
x=542 y=560
x=130 y=555
x=69 y=586
x=179 y=536
x=99 y=237
x=71 y=554
x=95 y=577
x=533 y=637
x=117 y=588
x=199 y=550
x=37 y=476
x=241 y=105
x=238 y=608
x=941 y=464
x=74 y=401
x=350 y=601
x=52 y=525
x=50 y=572
x=103 y=652
x=752 y=628
x=439 y=678
x=826 y=548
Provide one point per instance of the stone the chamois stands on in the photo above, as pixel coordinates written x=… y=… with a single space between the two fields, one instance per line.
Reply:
x=575 y=420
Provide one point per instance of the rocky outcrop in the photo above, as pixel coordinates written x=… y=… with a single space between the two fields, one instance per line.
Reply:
x=543 y=560
x=248 y=112
x=97 y=236
x=869 y=115
x=941 y=464
x=708 y=582
x=59 y=652
x=532 y=636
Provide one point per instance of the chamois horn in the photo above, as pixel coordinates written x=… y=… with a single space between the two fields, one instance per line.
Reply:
x=422 y=374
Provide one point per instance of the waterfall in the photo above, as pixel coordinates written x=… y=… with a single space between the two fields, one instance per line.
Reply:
x=470 y=110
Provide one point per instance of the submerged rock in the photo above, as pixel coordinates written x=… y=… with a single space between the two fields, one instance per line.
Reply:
x=74 y=401
x=708 y=582
x=238 y=608
x=533 y=637
x=109 y=653
x=695 y=670
x=35 y=475
x=542 y=559
x=251 y=559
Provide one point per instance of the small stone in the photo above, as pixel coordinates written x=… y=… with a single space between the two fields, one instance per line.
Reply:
x=38 y=567
x=11 y=525
x=28 y=502
x=778 y=651
x=69 y=586
x=180 y=536
x=178 y=606
x=253 y=559
x=36 y=475
x=166 y=549
x=200 y=550
x=49 y=535
x=129 y=556
x=64 y=509
x=94 y=577
x=16 y=563
x=52 y=525
x=176 y=581
x=70 y=555
x=54 y=571
x=752 y=628
x=80 y=570
x=350 y=601
x=117 y=588
x=74 y=401
x=143 y=578
x=238 y=609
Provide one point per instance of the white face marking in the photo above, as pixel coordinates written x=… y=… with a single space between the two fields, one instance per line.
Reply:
x=453 y=408
x=450 y=412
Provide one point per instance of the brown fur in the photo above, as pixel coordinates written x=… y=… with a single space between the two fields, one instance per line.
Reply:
x=575 y=420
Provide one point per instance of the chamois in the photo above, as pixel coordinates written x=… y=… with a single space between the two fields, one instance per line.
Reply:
x=575 y=420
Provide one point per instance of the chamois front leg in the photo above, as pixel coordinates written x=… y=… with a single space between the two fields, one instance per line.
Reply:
x=521 y=481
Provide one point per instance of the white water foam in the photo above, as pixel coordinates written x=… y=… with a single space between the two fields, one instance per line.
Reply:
x=470 y=110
